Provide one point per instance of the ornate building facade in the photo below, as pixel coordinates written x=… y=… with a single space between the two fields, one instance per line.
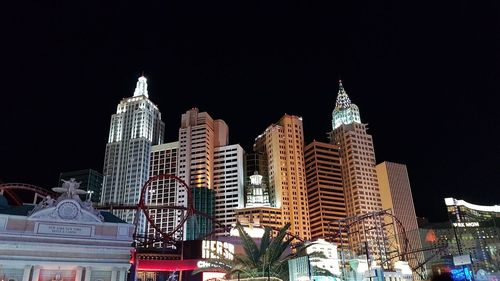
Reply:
x=63 y=239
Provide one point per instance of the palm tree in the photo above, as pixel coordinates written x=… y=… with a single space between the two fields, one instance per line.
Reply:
x=267 y=259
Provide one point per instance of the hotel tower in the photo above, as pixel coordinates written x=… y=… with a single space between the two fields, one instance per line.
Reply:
x=359 y=176
x=199 y=136
x=135 y=127
x=324 y=190
x=283 y=146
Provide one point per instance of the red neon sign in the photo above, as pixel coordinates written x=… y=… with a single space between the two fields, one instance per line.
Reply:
x=167 y=265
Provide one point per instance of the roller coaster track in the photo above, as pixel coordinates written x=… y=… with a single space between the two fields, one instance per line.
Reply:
x=10 y=188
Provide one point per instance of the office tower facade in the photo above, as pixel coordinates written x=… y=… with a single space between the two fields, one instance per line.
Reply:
x=283 y=146
x=228 y=185
x=359 y=177
x=90 y=180
x=395 y=192
x=199 y=135
x=325 y=191
x=164 y=160
x=135 y=127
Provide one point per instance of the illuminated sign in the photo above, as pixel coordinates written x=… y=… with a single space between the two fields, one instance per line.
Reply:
x=466 y=224
x=215 y=249
x=203 y=264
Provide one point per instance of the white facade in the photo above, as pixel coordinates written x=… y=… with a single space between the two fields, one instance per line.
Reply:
x=63 y=239
x=329 y=250
x=135 y=126
x=164 y=160
x=228 y=184
x=256 y=193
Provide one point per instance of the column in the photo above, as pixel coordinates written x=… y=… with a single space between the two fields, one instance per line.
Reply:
x=123 y=274
x=79 y=273
x=88 y=272
x=36 y=273
x=113 y=274
x=26 y=274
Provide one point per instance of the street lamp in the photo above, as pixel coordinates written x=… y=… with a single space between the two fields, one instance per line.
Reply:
x=90 y=192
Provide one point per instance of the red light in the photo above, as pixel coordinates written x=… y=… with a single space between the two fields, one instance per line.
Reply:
x=167 y=265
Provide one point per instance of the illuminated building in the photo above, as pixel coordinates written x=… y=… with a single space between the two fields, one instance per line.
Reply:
x=135 y=127
x=63 y=238
x=228 y=184
x=258 y=211
x=472 y=231
x=256 y=193
x=324 y=189
x=164 y=159
x=90 y=181
x=330 y=259
x=395 y=192
x=359 y=177
x=282 y=144
x=199 y=136
x=477 y=232
x=161 y=266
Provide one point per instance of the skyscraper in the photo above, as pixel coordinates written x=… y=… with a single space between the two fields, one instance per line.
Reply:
x=395 y=192
x=164 y=160
x=359 y=177
x=135 y=127
x=283 y=146
x=324 y=190
x=199 y=135
x=228 y=184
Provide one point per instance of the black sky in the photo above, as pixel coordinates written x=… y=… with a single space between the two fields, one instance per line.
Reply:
x=425 y=75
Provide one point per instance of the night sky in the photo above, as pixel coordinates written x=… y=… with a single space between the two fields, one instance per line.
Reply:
x=425 y=75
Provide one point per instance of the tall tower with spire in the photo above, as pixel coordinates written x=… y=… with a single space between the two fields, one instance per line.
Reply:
x=135 y=127
x=359 y=176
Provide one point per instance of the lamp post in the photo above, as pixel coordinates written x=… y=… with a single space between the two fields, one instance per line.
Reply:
x=90 y=192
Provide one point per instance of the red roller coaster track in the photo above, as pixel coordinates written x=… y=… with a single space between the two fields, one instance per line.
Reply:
x=8 y=188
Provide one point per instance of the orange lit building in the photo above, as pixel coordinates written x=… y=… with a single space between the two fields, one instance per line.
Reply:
x=324 y=189
x=359 y=177
x=283 y=146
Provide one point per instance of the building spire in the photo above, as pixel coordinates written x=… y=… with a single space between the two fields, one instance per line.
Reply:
x=343 y=100
x=345 y=111
x=141 y=88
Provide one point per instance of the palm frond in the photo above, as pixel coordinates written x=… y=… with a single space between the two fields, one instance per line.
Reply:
x=251 y=249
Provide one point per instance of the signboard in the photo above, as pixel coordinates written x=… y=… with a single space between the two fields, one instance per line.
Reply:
x=64 y=229
x=466 y=224
x=461 y=260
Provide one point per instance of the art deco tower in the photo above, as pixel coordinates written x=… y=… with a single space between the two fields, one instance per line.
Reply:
x=359 y=176
x=135 y=127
